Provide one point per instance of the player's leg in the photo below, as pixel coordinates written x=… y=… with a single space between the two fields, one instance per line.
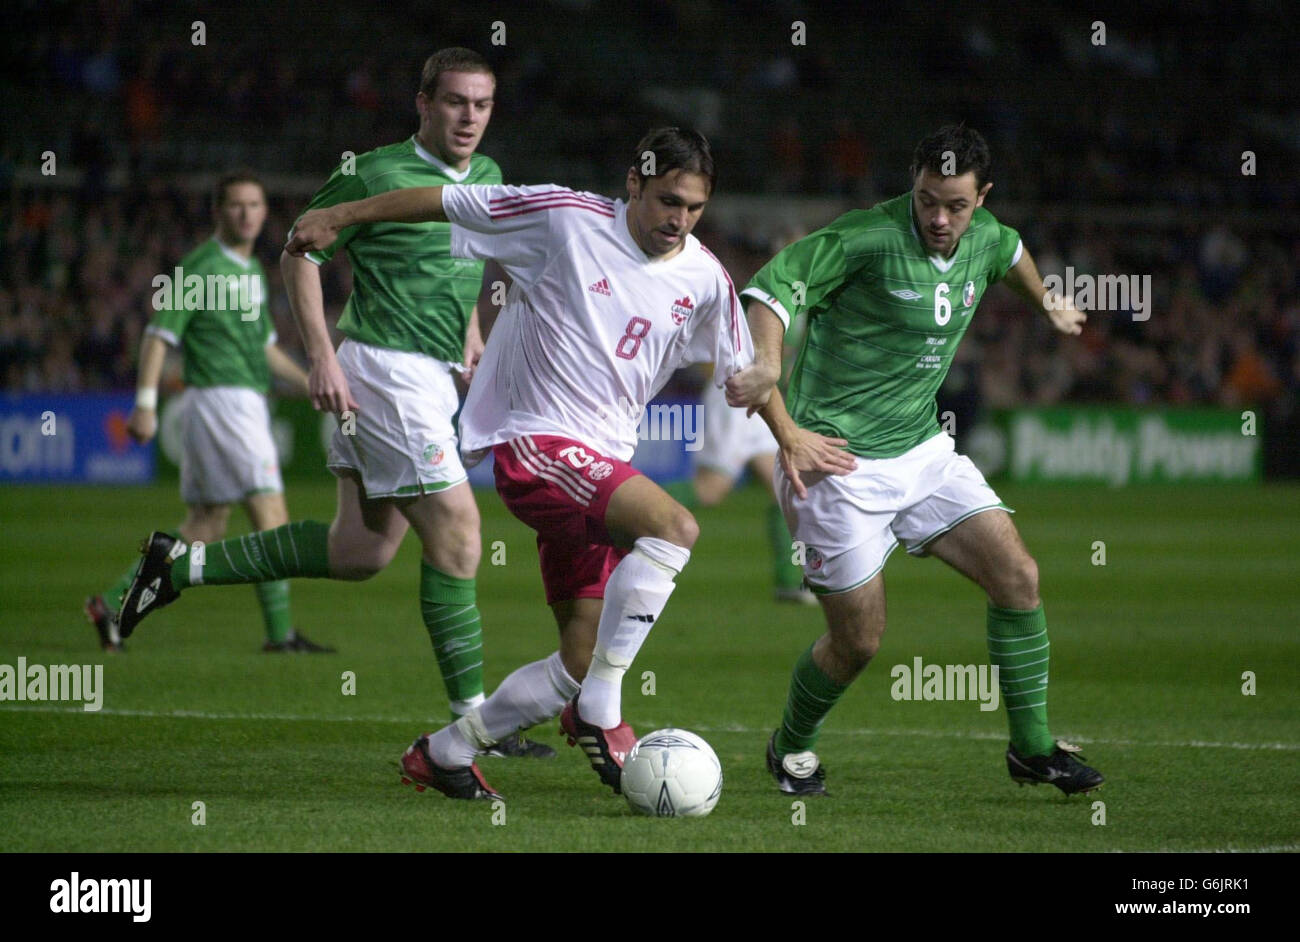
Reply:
x=843 y=528
x=447 y=523
x=855 y=622
x=662 y=533
x=206 y=522
x=963 y=523
x=710 y=486
x=267 y=511
x=786 y=574
x=363 y=538
x=528 y=696
x=988 y=550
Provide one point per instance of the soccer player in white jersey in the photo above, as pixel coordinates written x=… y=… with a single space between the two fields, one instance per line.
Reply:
x=608 y=299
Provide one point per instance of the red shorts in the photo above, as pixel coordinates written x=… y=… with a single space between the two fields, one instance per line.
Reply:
x=560 y=488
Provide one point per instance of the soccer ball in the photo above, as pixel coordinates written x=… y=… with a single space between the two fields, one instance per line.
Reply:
x=672 y=773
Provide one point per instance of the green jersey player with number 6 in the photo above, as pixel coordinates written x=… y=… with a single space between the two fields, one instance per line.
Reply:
x=863 y=463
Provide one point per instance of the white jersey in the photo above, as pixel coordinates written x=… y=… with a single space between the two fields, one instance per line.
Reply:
x=592 y=327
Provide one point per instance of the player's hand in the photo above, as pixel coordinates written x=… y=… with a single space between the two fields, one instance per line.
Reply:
x=752 y=386
x=328 y=387
x=808 y=451
x=142 y=425
x=316 y=230
x=1064 y=316
x=473 y=352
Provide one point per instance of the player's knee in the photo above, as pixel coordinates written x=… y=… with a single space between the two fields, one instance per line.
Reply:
x=455 y=549
x=681 y=528
x=855 y=650
x=1019 y=586
x=356 y=562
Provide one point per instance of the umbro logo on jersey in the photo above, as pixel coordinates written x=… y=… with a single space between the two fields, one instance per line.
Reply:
x=601 y=287
x=907 y=294
x=682 y=309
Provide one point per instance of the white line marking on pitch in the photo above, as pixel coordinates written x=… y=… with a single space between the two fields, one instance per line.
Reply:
x=930 y=733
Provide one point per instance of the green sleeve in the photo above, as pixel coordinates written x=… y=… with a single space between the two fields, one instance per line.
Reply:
x=803 y=274
x=1005 y=256
x=339 y=188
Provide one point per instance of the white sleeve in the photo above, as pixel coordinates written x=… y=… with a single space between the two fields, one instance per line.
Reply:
x=722 y=335
x=512 y=225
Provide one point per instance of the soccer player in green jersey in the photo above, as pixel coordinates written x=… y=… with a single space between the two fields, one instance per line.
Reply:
x=212 y=306
x=864 y=464
x=410 y=322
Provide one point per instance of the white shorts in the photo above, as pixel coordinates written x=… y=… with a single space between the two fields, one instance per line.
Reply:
x=730 y=440
x=227 y=452
x=404 y=442
x=850 y=524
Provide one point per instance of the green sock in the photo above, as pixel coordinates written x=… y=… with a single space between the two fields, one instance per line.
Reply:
x=812 y=694
x=294 y=550
x=786 y=573
x=113 y=594
x=684 y=493
x=1018 y=646
x=452 y=619
x=274 y=599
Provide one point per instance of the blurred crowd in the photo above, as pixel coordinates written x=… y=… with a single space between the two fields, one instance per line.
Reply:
x=1157 y=119
x=1223 y=327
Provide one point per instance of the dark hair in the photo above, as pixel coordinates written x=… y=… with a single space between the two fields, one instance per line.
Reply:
x=230 y=179
x=675 y=149
x=451 y=59
x=969 y=150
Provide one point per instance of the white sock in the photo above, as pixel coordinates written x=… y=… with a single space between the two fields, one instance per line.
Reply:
x=638 y=587
x=461 y=707
x=532 y=694
x=450 y=749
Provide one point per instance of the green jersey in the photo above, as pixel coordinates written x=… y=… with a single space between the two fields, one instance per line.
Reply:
x=884 y=320
x=408 y=292
x=213 y=307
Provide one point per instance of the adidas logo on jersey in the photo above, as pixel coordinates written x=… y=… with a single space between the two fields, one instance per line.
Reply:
x=601 y=287
x=682 y=309
x=907 y=294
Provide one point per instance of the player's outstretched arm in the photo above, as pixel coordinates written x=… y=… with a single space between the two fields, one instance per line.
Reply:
x=142 y=423
x=752 y=385
x=326 y=386
x=1024 y=279
x=283 y=367
x=802 y=450
x=317 y=229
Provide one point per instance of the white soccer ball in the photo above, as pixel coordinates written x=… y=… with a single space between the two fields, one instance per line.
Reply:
x=672 y=773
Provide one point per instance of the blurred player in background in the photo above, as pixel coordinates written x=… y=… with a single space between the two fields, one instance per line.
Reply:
x=227 y=453
x=594 y=325
x=889 y=293
x=410 y=323
x=734 y=442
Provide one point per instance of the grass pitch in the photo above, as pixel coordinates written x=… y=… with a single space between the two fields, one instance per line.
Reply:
x=1148 y=653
